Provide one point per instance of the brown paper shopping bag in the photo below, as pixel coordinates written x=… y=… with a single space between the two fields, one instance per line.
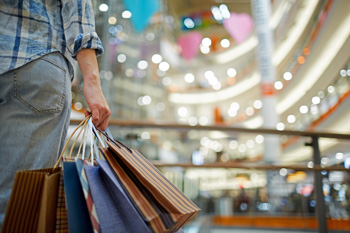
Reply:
x=33 y=201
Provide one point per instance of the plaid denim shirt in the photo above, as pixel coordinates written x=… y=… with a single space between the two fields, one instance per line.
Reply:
x=32 y=28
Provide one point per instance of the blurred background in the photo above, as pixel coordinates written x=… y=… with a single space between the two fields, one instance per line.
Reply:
x=206 y=65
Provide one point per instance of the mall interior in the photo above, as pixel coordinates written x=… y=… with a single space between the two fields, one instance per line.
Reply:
x=242 y=104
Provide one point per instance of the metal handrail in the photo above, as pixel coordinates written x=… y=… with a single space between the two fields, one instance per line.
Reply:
x=221 y=127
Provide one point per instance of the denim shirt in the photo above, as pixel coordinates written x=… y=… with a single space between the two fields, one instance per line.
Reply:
x=30 y=29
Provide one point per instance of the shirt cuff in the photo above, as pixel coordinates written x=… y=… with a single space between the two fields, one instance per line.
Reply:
x=87 y=41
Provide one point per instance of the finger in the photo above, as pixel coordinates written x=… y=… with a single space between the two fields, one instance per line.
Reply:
x=104 y=120
x=87 y=113
x=96 y=118
x=104 y=124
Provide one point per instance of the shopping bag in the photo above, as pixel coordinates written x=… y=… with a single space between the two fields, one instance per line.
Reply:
x=163 y=207
x=79 y=165
x=109 y=209
x=79 y=204
x=48 y=207
x=33 y=201
x=77 y=210
x=115 y=212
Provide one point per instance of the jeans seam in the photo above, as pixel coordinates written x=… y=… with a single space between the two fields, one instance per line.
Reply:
x=33 y=109
x=55 y=64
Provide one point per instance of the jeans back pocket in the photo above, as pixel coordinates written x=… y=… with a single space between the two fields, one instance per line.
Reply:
x=40 y=85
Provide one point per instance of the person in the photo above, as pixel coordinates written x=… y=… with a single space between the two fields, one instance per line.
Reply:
x=40 y=42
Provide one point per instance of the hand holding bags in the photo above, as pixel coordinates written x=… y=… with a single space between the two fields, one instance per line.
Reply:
x=114 y=211
x=126 y=193
x=108 y=208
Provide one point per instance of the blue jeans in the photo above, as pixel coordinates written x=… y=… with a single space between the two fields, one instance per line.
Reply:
x=35 y=103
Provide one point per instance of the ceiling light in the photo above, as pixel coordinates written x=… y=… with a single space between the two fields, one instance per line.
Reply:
x=121 y=58
x=145 y=135
x=206 y=41
x=314 y=109
x=316 y=100
x=126 y=14
x=216 y=13
x=291 y=119
x=287 y=76
x=249 y=111
x=231 y=72
x=164 y=66
x=339 y=156
x=303 y=109
x=150 y=36
x=257 y=104
x=129 y=72
x=259 y=139
x=204 y=49
x=146 y=100
x=343 y=73
x=103 y=7
x=233 y=144
x=280 y=126
x=188 y=22
x=225 y=43
x=224 y=11
x=189 y=78
x=112 y=20
x=142 y=65
x=324 y=161
x=235 y=106
x=156 y=58
x=278 y=85
x=330 y=89
x=306 y=51
x=232 y=112
x=301 y=60
x=321 y=94
x=209 y=74
x=182 y=111
x=283 y=172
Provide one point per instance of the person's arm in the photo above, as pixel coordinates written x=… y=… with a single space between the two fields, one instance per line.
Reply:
x=92 y=88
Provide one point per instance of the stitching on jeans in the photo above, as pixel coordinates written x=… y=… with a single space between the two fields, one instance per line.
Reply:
x=33 y=109
x=55 y=64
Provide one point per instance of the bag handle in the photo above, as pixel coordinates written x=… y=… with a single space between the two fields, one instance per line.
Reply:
x=83 y=123
x=110 y=138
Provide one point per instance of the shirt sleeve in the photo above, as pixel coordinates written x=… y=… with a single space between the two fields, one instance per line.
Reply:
x=79 y=27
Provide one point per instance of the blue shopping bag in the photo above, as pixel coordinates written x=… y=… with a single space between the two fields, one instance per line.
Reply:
x=114 y=210
x=78 y=214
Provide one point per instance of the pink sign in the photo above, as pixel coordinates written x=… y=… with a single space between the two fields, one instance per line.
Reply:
x=239 y=26
x=189 y=44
